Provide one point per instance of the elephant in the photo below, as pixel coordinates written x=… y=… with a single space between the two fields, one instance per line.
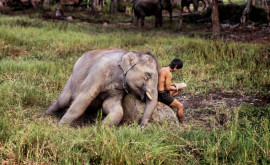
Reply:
x=195 y=4
x=144 y=8
x=101 y=78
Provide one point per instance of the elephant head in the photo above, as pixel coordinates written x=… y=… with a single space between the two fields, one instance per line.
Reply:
x=141 y=72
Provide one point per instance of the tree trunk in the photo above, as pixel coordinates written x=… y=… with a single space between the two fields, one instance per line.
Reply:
x=113 y=6
x=47 y=3
x=215 y=19
x=230 y=2
x=127 y=9
x=246 y=13
x=30 y=3
x=180 y=17
x=266 y=9
x=206 y=2
x=253 y=2
x=94 y=6
x=101 y=3
x=41 y=4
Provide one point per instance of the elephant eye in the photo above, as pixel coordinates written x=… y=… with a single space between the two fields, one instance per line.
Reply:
x=148 y=75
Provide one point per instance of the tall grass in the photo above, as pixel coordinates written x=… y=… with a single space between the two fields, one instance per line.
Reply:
x=208 y=64
x=37 y=57
x=25 y=141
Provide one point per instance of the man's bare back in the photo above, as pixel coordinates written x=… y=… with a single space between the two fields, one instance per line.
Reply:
x=165 y=77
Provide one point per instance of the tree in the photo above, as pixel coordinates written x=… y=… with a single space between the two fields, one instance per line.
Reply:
x=180 y=17
x=230 y=1
x=265 y=5
x=215 y=19
x=113 y=6
x=94 y=6
x=245 y=14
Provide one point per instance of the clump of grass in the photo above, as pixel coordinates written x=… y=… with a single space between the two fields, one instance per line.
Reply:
x=42 y=141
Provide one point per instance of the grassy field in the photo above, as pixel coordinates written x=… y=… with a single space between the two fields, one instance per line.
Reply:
x=37 y=57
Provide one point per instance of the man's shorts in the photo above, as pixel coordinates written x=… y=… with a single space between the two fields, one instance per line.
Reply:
x=165 y=97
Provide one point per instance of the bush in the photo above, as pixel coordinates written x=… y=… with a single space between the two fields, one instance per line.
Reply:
x=232 y=13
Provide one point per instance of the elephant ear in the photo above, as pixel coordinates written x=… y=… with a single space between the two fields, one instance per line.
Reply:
x=128 y=61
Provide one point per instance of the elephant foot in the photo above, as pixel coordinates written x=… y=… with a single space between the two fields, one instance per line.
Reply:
x=64 y=121
x=53 y=108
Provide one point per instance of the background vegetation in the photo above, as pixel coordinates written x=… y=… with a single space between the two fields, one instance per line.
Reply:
x=37 y=57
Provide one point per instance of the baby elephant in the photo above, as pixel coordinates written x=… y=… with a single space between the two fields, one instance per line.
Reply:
x=101 y=78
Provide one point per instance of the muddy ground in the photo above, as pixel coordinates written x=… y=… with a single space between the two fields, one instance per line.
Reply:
x=208 y=111
x=216 y=109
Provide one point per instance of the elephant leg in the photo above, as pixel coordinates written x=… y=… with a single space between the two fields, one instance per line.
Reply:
x=79 y=106
x=171 y=17
x=195 y=5
x=113 y=108
x=160 y=20
x=63 y=100
x=156 y=20
x=142 y=21
x=136 y=20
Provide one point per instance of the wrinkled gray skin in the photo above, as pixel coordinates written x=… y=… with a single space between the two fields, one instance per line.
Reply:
x=97 y=81
x=143 y=8
x=133 y=110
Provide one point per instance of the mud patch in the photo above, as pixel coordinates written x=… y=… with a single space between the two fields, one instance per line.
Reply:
x=216 y=109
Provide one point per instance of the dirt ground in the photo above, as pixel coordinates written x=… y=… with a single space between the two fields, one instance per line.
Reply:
x=211 y=110
x=216 y=109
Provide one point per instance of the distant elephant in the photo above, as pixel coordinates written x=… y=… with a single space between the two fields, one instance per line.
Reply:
x=186 y=3
x=101 y=78
x=144 y=8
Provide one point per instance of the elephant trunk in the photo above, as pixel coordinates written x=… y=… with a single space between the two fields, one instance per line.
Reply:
x=151 y=102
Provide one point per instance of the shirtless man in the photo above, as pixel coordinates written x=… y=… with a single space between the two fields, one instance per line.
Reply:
x=167 y=89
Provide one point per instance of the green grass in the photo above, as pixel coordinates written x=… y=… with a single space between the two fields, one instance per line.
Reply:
x=37 y=57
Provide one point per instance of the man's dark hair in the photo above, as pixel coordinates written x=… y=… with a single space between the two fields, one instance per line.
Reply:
x=176 y=63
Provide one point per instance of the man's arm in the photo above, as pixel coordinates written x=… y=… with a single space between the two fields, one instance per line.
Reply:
x=168 y=83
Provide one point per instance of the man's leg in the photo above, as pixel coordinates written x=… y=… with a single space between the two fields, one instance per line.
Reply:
x=174 y=93
x=180 y=113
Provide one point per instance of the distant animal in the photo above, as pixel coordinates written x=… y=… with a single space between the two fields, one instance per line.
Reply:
x=101 y=78
x=186 y=3
x=59 y=13
x=143 y=8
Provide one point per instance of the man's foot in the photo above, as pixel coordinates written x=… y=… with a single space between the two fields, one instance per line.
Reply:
x=185 y=126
